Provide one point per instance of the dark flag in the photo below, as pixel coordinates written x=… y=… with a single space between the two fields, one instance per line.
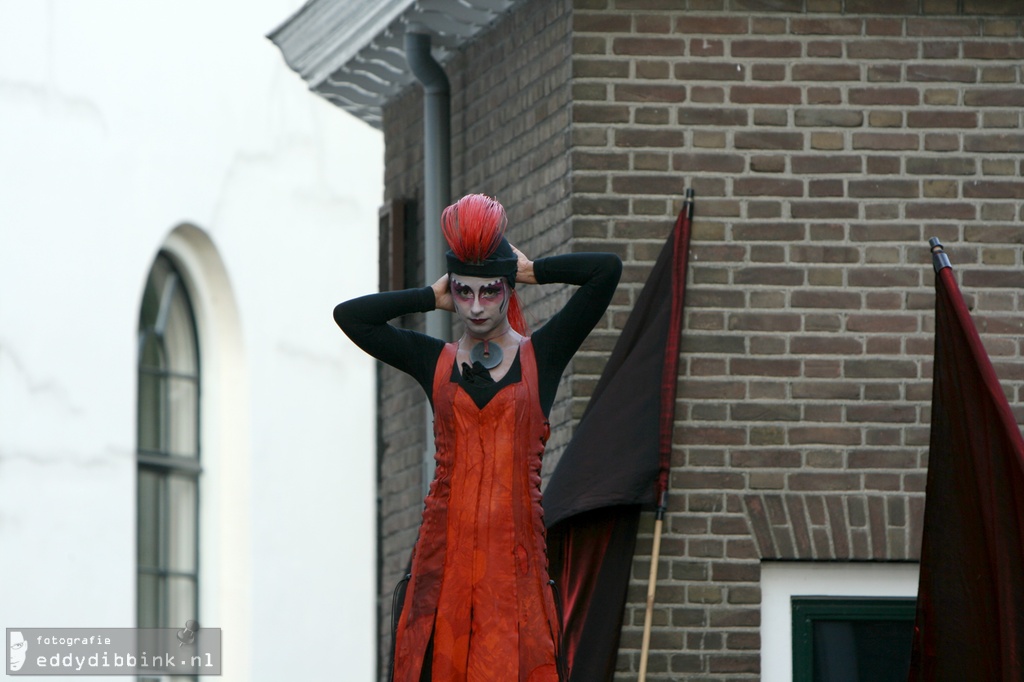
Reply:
x=970 y=604
x=616 y=465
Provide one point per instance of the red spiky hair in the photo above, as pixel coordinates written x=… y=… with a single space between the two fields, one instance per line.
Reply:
x=473 y=227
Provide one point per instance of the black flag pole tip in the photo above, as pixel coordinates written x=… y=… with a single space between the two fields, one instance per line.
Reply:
x=939 y=258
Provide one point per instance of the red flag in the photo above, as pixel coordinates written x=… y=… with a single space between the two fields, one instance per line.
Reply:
x=616 y=464
x=970 y=608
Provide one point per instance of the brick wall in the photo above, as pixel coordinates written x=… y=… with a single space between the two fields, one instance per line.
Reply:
x=826 y=142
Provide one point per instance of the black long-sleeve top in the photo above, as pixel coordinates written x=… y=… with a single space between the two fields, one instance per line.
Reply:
x=365 y=321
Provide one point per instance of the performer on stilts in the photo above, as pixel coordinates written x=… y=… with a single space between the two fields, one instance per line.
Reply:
x=478 y=606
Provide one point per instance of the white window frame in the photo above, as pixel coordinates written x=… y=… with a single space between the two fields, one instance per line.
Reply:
x=783 y=580
x=225 y=514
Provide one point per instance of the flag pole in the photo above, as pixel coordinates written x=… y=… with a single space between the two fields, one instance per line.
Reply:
x=652 y=583
x=940 y=260
x=669 y=376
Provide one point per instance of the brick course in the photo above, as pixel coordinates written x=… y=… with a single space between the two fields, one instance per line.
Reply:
x=826 y=140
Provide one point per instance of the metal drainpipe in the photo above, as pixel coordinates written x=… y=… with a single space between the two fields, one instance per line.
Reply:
x=436 y=190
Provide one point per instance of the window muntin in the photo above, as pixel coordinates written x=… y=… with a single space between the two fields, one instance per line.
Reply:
x=168 y=452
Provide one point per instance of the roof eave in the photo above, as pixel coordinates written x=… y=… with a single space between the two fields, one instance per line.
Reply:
x=351 y=52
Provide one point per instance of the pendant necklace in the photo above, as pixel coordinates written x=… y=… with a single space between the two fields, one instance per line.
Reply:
x=487 y=354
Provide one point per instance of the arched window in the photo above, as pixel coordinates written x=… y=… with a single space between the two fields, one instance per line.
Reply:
x=168 y=452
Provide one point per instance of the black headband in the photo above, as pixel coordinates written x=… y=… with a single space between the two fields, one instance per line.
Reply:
x=502 y=263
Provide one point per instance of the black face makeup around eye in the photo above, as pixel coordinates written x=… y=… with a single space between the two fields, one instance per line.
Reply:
x=488 y=290
x=491 y=291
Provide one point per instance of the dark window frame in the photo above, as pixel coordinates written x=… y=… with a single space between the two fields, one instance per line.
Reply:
x=805 y=610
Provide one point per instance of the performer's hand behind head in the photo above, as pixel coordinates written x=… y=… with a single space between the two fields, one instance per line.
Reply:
x=524 y=269
x=443 y=294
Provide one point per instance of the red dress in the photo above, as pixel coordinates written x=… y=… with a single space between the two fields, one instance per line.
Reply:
x=479 y=583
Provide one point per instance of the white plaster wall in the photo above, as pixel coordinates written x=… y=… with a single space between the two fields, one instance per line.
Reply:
x=120 y=120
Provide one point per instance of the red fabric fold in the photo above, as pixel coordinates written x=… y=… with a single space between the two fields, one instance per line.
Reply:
x=479 y=588
x=970 y=612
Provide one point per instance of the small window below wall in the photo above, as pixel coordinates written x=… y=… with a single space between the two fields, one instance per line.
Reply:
x=829 y=621
x=853 y=639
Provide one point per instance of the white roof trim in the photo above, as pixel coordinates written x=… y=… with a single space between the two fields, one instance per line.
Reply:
x=352 y=52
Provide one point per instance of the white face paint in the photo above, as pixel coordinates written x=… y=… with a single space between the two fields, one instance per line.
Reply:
x=481 y=303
